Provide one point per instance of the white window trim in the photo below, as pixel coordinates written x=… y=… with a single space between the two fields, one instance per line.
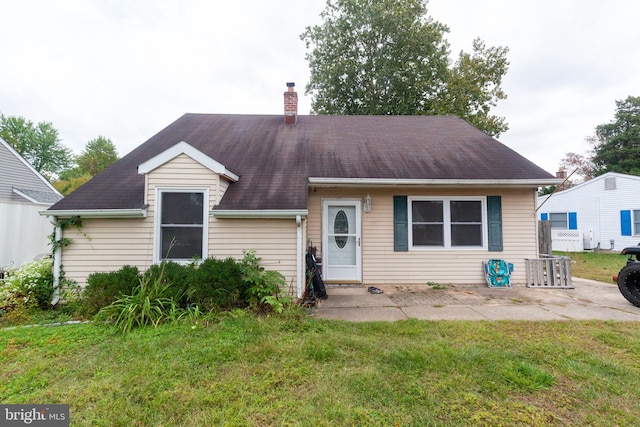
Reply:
x=157 y=241
x=447 y=223
x=636 y=230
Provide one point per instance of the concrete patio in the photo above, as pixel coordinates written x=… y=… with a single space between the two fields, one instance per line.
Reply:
x=587 y=300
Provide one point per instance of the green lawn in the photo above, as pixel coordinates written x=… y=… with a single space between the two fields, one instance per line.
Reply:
x=595 y=265
x=243 y=370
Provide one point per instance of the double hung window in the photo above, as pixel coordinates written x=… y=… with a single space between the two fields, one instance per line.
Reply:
x=447 y=223
x=559 y=221
x=182 y=224
x=636 y=222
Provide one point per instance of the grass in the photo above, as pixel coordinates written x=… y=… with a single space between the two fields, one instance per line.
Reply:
x=292 y=370
x=595 y=265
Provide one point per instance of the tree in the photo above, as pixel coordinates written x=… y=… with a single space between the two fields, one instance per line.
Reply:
x=618 y=148
x=390 y=57
x=97 y=155
x=581 y=164
x=38 y=144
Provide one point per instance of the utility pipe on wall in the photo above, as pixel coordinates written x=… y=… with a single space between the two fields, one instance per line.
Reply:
x=299 y=256
x=57 y=261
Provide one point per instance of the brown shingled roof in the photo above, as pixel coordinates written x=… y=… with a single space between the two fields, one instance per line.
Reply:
x=274 y=160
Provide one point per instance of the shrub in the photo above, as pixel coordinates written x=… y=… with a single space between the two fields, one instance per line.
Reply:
x=27 y=287
x=217 y=284
x=263 y=286
x=105 y=288
x=172 y=276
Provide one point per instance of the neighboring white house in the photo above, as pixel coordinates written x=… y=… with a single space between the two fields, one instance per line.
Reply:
x=23 y=194
x=602 y=213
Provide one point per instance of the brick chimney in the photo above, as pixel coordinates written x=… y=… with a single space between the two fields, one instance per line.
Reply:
x=290 y=105
x=561 y=174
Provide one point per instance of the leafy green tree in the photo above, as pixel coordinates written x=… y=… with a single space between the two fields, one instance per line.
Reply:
x=39 y=144
x=389 y=57
x=618 y=148
x=97 y=155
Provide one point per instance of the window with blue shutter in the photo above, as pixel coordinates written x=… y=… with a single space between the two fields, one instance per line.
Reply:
x=573 y=220
x=400 y=224
x=625 y=223
x=494 y=216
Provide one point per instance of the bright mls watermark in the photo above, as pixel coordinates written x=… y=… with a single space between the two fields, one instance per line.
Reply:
x=34 y=415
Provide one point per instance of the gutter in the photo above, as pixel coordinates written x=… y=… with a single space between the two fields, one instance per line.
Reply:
x=263 y=213
x=389 y=182
x=98 y=213
x=57 y=261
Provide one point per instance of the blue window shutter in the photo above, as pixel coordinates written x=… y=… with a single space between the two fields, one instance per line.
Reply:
x=573 y=221
x=494 y=215
x=625 y=223
x=400 y=224
x=544 y=217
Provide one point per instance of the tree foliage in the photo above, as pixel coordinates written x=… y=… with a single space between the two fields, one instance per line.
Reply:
x=580 y=163
x=389 y=57
x=618 y=148
x=97 y=155
x=39 y=144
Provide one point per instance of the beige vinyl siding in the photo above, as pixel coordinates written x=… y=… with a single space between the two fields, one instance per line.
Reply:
x=105 y=245
x=108 y=244
x=223 y=184
x=182 y=172
x=382 y=265
x=274 y=241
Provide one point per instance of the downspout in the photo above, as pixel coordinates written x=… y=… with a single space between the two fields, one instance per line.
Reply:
x=299 y=256
x=57 y=261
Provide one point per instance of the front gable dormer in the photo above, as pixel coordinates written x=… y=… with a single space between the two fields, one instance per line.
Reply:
x=195 y=154
x=182 y=184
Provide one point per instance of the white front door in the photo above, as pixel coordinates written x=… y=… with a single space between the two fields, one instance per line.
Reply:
x=341 y=250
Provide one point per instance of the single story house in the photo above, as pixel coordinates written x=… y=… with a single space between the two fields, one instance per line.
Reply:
x=384 y=199
x=23 y=194
x=602 y=213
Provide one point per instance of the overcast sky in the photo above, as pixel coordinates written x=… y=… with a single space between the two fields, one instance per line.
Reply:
x=126 y=69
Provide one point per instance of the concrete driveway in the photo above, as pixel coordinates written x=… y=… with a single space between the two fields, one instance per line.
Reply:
x=587 y=300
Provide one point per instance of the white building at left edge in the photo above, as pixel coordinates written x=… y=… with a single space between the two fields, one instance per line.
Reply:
x=23 y=194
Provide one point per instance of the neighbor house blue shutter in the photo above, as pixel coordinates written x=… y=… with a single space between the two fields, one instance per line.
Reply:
x=544 y=217
x=494 y=215
x=625 y=223
x=573 y=221
x=400 y=224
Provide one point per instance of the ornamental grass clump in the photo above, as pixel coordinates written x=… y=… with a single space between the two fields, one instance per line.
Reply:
x=150 y=303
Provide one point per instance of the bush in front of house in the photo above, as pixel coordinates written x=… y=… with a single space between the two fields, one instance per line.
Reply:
x=217 y=284
x=170 y=291
x=27 y=288
x=104 y=289
x=173 y=278
x=263 y=286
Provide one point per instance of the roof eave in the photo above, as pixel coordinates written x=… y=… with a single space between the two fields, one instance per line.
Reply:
x=31 y=199
x=386 y=182
x=97 y=213
x=260 y=213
